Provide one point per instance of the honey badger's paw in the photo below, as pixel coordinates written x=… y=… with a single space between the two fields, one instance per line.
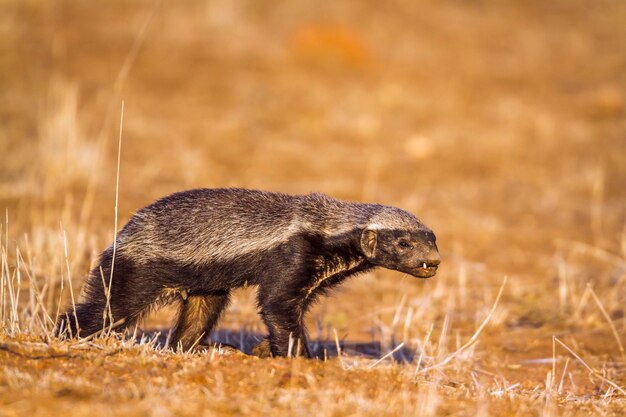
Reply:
x=219 y=348
x=227 y=350
x=262 y=349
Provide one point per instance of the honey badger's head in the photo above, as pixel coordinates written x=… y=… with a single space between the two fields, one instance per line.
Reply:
x=395 y=239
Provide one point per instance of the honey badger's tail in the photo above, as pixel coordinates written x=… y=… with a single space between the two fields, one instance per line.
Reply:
x=91 y=314
x=88 y=319
x=128 y=298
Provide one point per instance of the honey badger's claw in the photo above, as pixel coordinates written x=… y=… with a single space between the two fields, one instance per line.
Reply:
x=228 y=349
x=262 y=349
x=220 y=347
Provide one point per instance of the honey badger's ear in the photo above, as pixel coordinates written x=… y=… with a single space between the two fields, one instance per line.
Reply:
x=368 y=242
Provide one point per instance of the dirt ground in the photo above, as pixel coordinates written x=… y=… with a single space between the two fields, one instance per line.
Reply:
x=501 y=124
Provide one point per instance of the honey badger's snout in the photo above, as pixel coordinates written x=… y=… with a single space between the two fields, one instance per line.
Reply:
x=426 y=258
x=427 y=268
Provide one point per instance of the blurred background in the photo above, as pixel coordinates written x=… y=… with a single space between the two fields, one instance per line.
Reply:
x=500 y=124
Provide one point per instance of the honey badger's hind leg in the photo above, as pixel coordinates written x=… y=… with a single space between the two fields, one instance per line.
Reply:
x=133 y=290
x=197 y=317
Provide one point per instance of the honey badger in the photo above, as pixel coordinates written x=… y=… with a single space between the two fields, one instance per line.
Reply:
x=196 y=246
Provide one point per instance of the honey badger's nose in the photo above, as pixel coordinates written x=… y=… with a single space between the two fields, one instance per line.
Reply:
x=434 y=261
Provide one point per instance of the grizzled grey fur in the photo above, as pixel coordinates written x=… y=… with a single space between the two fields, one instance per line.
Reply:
x=196 y=246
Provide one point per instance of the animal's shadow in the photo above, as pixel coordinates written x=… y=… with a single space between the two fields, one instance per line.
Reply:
x=245 y=341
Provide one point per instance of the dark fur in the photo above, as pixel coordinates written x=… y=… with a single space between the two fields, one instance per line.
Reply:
x=195 y=246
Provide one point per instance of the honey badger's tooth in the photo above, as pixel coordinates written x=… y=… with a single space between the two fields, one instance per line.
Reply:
x=424 y=265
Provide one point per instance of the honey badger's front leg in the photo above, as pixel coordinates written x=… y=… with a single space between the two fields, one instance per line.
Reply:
x=283 y=314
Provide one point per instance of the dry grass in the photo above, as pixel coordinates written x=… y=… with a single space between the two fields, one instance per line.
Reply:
x=501 y=124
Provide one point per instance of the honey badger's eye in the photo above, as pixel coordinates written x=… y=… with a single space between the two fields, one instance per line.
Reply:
x=404 y=244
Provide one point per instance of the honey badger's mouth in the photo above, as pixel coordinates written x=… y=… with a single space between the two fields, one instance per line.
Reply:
x=426 y=269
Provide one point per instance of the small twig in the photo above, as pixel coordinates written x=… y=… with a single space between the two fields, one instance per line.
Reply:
x=560 y=389
x=426 y=339
x=5 y=268
x=592 y=371
x=474 y=337
x=553 y=375
x=15 y=300
x=117 y=194
x=338 y=348
x=290 y=345
x=608 y=320
x=191 y=348
x=69 y=280
x=4 y=347
x=386 y=356
x=107 y=329
x=107 y=295
x=58 y=313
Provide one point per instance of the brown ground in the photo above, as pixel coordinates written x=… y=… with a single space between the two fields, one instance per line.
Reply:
x=501 y=124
